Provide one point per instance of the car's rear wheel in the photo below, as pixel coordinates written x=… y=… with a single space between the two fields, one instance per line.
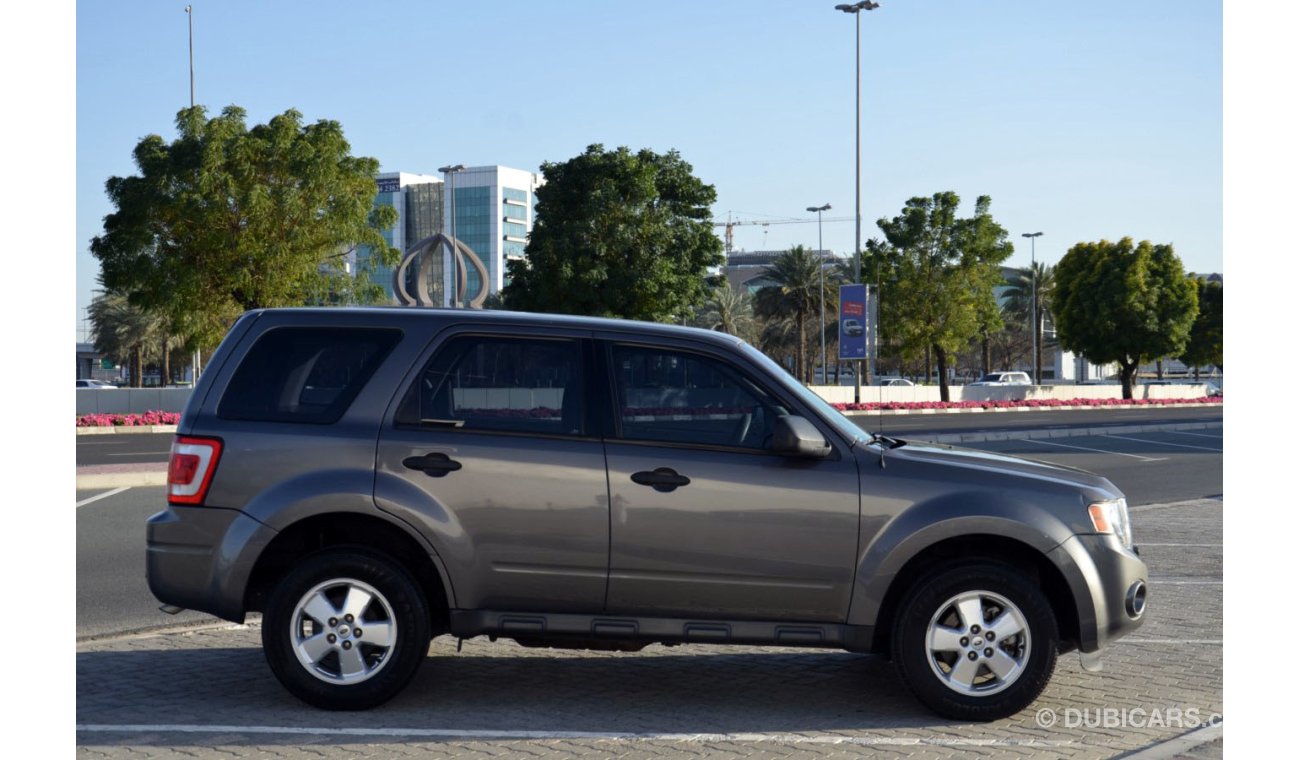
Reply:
x=975 y=641
x=346 y=629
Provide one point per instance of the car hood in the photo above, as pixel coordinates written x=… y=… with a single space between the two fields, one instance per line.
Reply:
x=1002 y=464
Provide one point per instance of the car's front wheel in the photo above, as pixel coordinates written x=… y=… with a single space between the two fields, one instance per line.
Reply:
x=346 y=630
x=975 y=641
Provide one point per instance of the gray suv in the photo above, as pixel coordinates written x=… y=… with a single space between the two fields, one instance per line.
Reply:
x=369 y=479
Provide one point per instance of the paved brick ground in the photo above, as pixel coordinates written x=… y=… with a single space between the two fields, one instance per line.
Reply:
x=210 y=694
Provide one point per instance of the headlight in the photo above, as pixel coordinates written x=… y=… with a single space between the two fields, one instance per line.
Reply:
x=1112 y=517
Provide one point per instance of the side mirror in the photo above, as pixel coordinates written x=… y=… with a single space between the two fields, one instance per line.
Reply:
x=798 y=437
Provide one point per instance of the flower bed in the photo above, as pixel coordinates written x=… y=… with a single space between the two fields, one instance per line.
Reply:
x=1026 y=404
x=128 y=420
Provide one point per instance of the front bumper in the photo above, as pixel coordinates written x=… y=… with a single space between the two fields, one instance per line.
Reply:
x=200 y=558
x=1104 y=578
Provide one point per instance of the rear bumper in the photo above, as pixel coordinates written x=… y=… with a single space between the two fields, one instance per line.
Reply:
x=200 y=558
x=1103 y=577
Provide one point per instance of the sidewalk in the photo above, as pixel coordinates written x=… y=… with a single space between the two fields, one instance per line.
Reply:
x=121 y=475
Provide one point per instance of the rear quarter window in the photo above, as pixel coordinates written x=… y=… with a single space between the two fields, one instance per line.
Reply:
x=305 y=374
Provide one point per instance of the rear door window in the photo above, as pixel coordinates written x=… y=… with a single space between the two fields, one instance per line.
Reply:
x=506 y=384
x=305 y=374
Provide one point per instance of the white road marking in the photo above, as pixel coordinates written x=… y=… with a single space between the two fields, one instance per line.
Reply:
x=456 y=733
x=136 y=453
x=1186 y=583
x=103 y=495
x=1097 y=451
x=1145 y=544
x=1162 y=443
x=1198 y=435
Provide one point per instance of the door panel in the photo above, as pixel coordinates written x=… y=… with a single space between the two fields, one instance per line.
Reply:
x=522 y=525
x=752 y=535
x=489 y=454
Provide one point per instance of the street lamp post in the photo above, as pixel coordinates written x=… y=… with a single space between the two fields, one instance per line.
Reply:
x=856 y=9
x=1033 y=306
x=821 y=282
x=449 y=173
x=196 y=358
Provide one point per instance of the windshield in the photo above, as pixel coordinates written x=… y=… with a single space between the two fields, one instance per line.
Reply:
x=842 y=424
x=991 y=377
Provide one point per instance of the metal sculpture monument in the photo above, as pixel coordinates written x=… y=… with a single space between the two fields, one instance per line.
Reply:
x=421 y=256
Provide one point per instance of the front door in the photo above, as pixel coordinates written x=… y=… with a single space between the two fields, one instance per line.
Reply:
x=708 y=522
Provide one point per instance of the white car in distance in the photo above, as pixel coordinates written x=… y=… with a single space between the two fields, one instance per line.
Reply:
x=1004 y=378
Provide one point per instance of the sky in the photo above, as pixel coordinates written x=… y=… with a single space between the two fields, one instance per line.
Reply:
x=1084 y=121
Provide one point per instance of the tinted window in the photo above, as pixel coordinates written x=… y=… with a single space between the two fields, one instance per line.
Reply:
x=519 y=385
x=304 y=374
x=680 y=397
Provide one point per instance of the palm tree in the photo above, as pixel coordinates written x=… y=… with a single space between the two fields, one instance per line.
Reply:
x=1019 y=303
x=795 y=292
x=127 y=333
x=729 y=310
x=778 y=339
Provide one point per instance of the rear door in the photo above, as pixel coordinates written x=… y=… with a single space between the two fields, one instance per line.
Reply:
x=491 y=452
x=706 y=521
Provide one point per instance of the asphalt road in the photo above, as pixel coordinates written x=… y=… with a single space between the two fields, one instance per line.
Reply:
x=127 y=448
x=112 y=595
x=138 y=448
x=920 y=426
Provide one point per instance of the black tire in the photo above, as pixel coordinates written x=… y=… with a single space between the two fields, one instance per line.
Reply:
x=382 y=660
x=938 y=676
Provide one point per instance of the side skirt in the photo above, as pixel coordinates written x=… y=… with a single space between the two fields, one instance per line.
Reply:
x=618 y=632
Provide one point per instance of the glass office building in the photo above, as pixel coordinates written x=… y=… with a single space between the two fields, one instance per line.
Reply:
x=494 y=211
x=418 y=199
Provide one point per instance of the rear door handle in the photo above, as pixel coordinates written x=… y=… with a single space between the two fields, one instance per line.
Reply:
x=662 y=479
x=434 y=465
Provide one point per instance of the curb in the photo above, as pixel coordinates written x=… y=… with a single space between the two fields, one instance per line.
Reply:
x=125 y=429
x=1177 y=746
x=93 y=480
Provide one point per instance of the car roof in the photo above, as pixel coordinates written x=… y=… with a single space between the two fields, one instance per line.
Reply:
x=499 y=317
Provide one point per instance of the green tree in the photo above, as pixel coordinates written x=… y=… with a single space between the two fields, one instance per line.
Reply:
x=729 y=310
x=618 y=234
x=1116 y=302
x=795 y=292
x=1205 y=342
x=938 y=272
x=132 y=336
x=227 y=218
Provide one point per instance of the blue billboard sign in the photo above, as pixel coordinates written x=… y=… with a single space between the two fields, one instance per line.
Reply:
x=853 y=322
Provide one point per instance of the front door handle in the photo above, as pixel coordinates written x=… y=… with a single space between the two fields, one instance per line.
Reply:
x=662 y=479
x=434 y=465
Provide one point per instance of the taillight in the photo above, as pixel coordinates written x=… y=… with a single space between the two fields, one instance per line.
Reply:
x=190 y=470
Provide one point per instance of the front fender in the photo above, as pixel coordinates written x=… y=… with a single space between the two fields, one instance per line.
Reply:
x=938 y=519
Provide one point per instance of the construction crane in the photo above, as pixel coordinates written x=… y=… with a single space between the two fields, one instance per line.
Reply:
x=730 y=223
